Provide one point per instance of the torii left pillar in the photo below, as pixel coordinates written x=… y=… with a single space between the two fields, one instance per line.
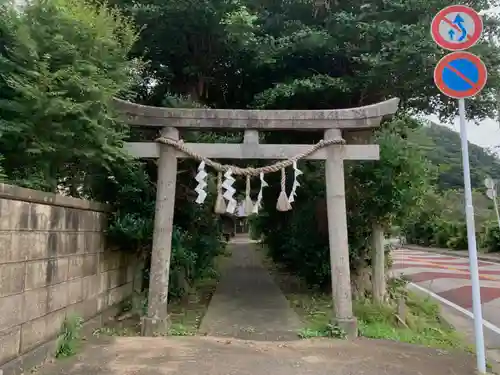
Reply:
x=157 y=319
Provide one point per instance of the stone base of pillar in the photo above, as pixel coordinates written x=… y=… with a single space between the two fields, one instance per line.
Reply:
x=154 y=327
x=349 y=326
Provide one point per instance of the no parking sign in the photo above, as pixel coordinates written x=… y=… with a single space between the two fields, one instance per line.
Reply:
x=460 y=75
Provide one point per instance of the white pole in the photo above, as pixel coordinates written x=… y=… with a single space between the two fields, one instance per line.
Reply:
x=471 y=239
x=495 y=203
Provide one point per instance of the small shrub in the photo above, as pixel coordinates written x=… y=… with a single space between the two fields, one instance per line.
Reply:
x=490 y=237
x=255 y=231
x=70 y=337
x=457 y=236
x=136 y=304
x=434 y=231
x=330 y=330
x=179 y=329
x=369 y=312
x=397 y=287
x=424 y=323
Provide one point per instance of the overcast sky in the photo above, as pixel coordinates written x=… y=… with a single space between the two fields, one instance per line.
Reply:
x=487 y=133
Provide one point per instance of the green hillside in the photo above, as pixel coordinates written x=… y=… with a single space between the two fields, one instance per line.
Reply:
x=441 y=222
x=442 y=147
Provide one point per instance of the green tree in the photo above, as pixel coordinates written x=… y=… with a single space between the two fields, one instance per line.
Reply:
x=386 y=192
x=62 y=62
x=189 y=44
x=390 y=189
x=311 y=55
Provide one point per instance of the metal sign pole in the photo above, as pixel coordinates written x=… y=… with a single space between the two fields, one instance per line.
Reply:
x=461 y=75
x=471 y=239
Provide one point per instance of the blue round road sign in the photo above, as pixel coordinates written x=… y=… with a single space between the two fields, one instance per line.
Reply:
x=460 y=75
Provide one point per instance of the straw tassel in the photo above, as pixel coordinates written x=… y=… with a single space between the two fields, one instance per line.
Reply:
x=220 y=203
x=283 y=204
x=248 y=200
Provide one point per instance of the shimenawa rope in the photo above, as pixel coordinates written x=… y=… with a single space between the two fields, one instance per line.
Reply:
x=249 y=171
x=283 y=203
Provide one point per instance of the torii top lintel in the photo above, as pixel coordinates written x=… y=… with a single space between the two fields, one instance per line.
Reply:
x=365 y=117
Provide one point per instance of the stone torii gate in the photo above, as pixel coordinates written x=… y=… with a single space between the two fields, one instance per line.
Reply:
x=353 y=125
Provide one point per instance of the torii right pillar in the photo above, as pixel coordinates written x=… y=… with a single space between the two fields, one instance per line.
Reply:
x=337 y=235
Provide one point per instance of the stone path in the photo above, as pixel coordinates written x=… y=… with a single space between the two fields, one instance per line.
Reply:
x=247 y=303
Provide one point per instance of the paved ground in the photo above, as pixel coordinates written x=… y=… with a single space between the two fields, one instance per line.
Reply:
x=448 y=277
x=248 y=303
x=212 y=356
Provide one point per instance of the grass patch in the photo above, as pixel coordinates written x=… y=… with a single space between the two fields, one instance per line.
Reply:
x=315 y=310
x=185 y=314
x=69 y=340
x=329 y=330
x=424 y=325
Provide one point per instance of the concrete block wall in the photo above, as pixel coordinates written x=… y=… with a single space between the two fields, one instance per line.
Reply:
x=53 y=262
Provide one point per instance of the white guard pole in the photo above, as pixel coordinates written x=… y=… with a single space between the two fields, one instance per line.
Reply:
x=495 y=203
x=471 y=239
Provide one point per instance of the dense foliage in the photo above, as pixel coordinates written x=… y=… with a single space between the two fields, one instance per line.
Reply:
x=61 y=63
x=440 y=222
x=63 y=60
x=378 y=192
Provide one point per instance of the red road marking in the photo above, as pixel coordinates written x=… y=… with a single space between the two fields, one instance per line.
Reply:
x=406 y=265
x=443 y=261
x=430 y=257
x=463 y=296
x=483 y=274
x=427 y=276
